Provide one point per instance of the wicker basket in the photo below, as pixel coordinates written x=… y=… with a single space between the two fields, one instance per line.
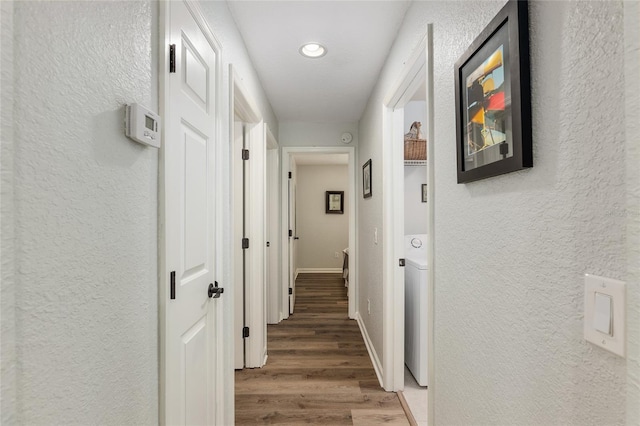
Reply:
x=415 y=149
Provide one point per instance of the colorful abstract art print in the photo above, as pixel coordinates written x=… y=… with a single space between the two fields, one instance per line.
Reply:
x=493 y=107
x=487 y=110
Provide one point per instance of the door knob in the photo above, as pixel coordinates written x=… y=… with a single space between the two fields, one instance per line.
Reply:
x=215 y=291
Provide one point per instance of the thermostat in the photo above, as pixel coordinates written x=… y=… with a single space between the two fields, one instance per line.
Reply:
x=142 y=125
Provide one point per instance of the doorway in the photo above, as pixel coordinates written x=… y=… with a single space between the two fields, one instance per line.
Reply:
x=416 y=76
x=248 y=158
x=290 y=222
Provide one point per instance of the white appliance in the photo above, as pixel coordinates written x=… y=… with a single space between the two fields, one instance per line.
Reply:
x=415 y=306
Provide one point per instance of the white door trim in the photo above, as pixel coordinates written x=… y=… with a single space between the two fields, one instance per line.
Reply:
x=224 y=384
x=241 y=105
x=273 y=227
x=287 y=152
x=418 y=67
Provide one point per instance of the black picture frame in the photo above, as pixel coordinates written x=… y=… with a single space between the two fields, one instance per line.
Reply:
x=424 y=193
x=367 y=182
x=334 y=202
x=493 y=98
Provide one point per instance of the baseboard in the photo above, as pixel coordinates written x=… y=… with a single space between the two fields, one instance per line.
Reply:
x=372 y=352
x=407 y=409
x=318 y=271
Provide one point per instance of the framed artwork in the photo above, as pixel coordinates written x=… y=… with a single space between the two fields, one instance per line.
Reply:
x=424 y=192
x=334 y=201
x=366 y=179
x=493 y=98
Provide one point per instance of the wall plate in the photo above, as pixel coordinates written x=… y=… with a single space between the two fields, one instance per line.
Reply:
x=596 y=291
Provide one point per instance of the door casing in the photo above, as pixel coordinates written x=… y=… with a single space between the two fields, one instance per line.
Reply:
x=243 y=109
x=287 y=153
x=418 y=68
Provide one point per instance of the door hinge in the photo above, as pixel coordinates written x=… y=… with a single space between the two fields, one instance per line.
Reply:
x=245 y=154
x=289 y=175
x=172 y=58
x=245 y=332
x=290 y=232
x=173 y=284
x=245 y=243
x=401 y=262
x=290 y=291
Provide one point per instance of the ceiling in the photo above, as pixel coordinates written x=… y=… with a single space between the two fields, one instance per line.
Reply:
x=334 y=88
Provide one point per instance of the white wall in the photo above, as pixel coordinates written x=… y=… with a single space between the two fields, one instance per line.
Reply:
x=509 y=345
x=321 y=234
x=316 y=134
x=632 y=119
x=8 y=386
x=85 y=214
x=415 y=211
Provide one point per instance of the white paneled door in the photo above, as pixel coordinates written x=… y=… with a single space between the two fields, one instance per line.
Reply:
x=191 y=301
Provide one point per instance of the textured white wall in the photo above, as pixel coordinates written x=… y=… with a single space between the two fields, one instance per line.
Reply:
x=632 y=119
x=85 y=212
x=321 y=234
x=509 y=347
x=8 y=391
x=316 y=134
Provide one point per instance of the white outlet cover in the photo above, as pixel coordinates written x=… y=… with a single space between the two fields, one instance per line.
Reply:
x=595 y=286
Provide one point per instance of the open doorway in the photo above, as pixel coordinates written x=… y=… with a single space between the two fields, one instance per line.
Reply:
x=410 y=100
x=305 y=246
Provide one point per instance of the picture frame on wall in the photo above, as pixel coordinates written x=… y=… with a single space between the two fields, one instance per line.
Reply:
x=493 y=98
x=366 y=180
x=334 y=202
x=424 y=193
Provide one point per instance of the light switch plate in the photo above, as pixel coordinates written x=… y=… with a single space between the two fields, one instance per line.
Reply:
x=597 y=287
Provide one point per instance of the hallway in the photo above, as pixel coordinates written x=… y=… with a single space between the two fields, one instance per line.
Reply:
x=318 y=370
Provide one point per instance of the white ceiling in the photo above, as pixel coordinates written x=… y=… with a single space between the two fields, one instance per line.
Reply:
x=336 y=87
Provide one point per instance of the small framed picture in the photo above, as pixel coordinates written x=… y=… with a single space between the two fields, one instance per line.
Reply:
x=424 y=192
x=334 y=201
x=366 y=179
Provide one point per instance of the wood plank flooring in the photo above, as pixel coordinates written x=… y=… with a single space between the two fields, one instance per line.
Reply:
x=318 y=370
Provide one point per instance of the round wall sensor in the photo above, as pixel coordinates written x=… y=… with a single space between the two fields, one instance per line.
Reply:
x=346 y=138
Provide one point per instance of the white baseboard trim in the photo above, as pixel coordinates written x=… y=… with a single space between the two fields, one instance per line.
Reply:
x=319 y=271
x=377 y=366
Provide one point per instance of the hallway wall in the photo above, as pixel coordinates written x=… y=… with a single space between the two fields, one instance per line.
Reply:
x=632 y=118
x=321 y=234
x=84 y=199
x=85 y=214
x=509 y=346
x=296 y=133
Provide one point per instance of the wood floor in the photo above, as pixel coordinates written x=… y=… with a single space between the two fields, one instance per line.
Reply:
x=318 y=370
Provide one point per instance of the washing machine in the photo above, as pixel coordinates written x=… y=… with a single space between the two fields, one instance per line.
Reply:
x=415 y=306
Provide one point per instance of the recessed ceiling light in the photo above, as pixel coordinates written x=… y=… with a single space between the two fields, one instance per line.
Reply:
x=313 y=50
